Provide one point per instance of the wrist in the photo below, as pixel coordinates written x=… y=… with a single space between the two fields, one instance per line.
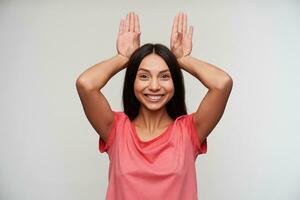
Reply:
x=121 y=58
x=183 y=61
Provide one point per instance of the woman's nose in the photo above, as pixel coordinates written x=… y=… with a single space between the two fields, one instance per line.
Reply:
x=154 y=84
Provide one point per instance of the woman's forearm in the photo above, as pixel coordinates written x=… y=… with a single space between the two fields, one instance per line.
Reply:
x=98 y=75
x=209 y=75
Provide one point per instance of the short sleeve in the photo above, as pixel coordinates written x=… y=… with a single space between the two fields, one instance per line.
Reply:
x=198 y=148
x=104 y=147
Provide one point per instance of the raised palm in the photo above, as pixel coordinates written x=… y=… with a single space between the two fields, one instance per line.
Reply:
x=181 y=40
x=129 y=35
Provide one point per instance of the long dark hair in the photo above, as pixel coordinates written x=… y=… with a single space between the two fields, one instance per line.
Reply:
x=176 y=106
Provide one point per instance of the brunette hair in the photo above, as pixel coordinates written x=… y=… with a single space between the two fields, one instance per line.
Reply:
x=176 y=105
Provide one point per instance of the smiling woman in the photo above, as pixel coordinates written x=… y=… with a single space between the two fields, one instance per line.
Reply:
x=155 y=83
x=153 y=143
x=153 y=70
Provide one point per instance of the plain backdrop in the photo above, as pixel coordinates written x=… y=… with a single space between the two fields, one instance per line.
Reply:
x=48 y=149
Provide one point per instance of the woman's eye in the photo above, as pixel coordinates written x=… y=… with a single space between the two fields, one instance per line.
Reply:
x=165 y=76
x=143 y=76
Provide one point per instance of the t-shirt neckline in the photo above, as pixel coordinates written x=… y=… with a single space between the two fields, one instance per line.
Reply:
x=153 y=139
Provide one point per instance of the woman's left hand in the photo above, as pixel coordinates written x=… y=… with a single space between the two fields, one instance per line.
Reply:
x=129 y=35
x=181 y=40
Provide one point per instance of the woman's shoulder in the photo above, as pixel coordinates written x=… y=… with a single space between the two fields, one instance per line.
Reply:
x=120 y=114
x=184 y=116
x=184 y=120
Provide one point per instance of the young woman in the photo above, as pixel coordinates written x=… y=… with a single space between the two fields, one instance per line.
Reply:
x=153 y=144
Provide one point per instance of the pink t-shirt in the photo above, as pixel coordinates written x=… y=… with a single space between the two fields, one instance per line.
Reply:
x=162 y=168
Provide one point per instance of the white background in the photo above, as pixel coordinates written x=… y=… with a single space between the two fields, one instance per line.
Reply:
x=48 y=149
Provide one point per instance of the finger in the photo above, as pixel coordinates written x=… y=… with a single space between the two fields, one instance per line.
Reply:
x=131 y=23
x=122 y=26
x=137 y=24
x=180 y=23
x=180 y=35
x=184 y=23
x=175 y=25
x=127 y=22
x=190 y=33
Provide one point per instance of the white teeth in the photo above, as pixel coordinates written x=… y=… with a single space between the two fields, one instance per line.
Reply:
x=154 y=97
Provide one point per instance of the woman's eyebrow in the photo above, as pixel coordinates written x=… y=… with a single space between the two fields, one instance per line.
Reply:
x=149 y=71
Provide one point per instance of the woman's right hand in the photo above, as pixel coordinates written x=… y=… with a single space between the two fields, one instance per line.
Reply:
x=181 y=38
x=129 y=35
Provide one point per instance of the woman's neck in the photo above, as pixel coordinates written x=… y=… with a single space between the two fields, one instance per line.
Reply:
x=152 y=120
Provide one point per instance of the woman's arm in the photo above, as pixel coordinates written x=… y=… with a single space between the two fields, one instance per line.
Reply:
x=89 y=83
x=209 y=75
x=213 y=105
x=96 y=77
x=216 y=80
x=128 y=41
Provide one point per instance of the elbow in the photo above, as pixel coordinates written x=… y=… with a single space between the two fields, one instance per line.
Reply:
x=81 y=84
x=226 y=83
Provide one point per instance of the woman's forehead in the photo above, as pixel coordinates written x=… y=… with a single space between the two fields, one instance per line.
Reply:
x=153 y=70
x=153 y=62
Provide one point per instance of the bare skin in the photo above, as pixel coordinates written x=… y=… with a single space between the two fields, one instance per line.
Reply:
x=217 y=81
x=91 y=81
x=153 y=119
x=153 y=77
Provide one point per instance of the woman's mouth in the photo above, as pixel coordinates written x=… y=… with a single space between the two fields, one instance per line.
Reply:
x=154 y=98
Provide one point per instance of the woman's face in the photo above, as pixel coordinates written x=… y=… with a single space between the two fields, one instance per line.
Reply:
x=153 y=85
